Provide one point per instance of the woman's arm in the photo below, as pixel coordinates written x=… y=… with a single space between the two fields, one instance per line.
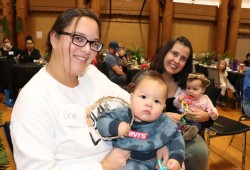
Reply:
x=115 y=160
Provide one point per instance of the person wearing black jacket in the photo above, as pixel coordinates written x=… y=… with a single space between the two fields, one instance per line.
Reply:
x=246 y=62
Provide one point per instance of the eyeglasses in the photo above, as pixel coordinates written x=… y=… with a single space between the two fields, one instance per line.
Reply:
x=81 y=41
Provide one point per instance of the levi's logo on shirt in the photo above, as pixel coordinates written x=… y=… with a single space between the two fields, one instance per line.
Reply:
x=138 y=135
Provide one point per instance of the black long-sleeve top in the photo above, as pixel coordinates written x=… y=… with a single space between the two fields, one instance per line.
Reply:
x=10 y=54
x=26 y=58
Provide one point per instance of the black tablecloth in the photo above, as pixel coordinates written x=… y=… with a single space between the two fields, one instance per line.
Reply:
x=20 y=74
x=130 y=74
x=235 y=77
x=5 y=66
x=201 y=69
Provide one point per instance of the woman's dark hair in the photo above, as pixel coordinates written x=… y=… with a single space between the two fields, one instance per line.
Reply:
x=158 y=62
x=28 y=37
x=5 y=38
x=65 y=20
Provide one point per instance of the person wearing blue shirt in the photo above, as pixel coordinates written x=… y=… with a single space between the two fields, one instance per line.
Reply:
x=115 y=63
x=246 y=94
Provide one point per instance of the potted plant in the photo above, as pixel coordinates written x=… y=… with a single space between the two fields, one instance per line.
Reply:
x=207 y=58
x=136 y=53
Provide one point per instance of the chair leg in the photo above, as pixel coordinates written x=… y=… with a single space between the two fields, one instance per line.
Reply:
x=231 y=140
x=244 y=151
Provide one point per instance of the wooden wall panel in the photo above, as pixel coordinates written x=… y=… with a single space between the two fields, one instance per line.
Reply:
x=201 y=34
x=41 y=22
x=125 y=7
x=193 y=21
x=245 y=16
x=200 y=12
x=49 y=5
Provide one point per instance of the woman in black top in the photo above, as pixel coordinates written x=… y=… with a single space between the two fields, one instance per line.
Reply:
x=8 y=50
x=30 y=53
x=247 y=61
x=174 y=63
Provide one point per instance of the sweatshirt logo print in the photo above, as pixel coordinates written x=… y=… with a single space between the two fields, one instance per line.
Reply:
x=138 y=135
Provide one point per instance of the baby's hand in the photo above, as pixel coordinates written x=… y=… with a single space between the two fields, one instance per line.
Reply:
x=180 y=98
x=123 y=129
x=173 y=164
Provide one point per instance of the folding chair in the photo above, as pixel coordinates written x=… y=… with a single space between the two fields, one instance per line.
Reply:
x=6 y=141
x=213 y=73
x=224 y=126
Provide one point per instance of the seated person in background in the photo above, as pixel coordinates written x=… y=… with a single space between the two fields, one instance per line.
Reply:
x=142 y=128
x=30 y=53
x=247 y=61
x=123 y=55
x=8 y=50
x=194 y=98
x=115 y=63
x=224 y=82
x=246 y=94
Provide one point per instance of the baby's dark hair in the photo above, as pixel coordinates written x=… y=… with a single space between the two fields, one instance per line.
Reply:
x=199 y=76
x=152 y=74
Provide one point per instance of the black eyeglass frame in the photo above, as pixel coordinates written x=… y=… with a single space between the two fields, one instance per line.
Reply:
x=87 y=41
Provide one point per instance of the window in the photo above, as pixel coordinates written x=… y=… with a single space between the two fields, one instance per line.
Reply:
x=201 y=2
x=245 y=4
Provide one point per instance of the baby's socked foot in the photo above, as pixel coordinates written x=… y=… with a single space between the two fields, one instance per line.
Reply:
x=190 y=132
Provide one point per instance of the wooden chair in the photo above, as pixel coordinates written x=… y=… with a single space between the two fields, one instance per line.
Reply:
x=6 y=141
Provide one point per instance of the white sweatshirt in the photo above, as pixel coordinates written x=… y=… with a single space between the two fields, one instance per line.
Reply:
x=48 y=123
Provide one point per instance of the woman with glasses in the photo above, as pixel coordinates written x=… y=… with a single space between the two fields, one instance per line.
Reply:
x=48 y=126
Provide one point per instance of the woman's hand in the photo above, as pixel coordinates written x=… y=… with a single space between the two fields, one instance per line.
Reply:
x=173 y=164
x=115 y=160
x=174 y=116
x=198 y=115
